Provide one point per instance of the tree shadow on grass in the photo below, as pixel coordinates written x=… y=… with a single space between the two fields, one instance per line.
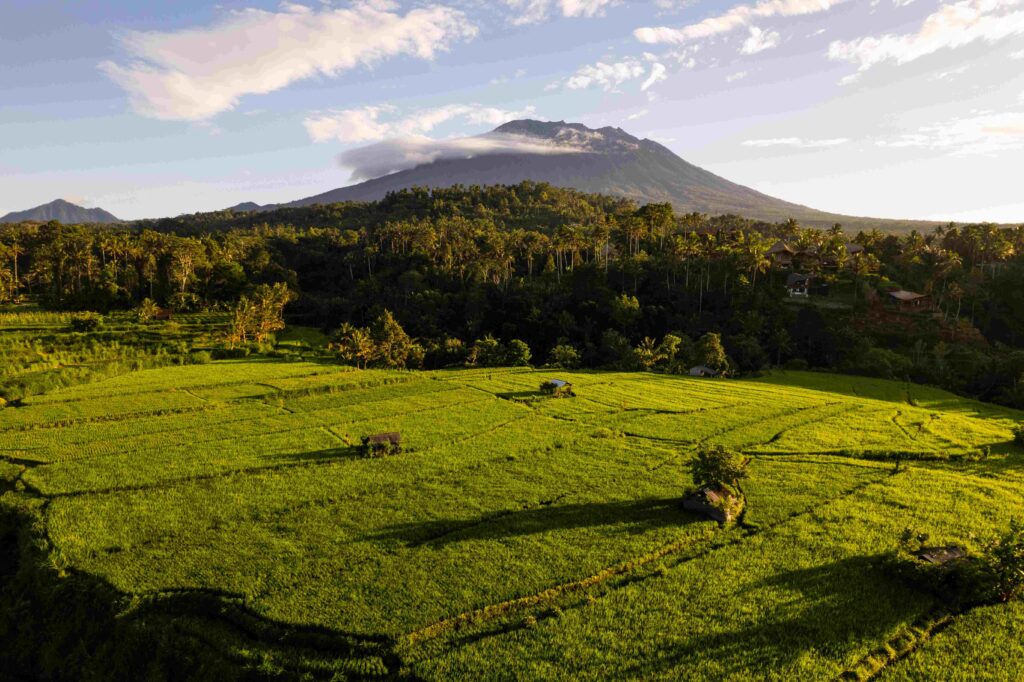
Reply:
x=72 y=625
x=826 y=611
x=631 y=516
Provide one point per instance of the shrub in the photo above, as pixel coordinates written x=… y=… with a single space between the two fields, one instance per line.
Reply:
x=87 y=322
x=718 y=467
x=200 y=357
x=796 y=365
x=1018 y=434
x=1005 y=561
x=147 y=310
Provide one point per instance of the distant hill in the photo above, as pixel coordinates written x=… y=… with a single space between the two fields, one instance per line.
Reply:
x=605 y=161
x=245 y=207
x=63 y=212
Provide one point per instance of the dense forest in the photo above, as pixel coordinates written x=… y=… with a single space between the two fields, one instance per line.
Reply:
x=532 y=273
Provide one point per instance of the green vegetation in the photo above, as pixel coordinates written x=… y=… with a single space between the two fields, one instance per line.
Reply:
x=220 y=520
x=191 y=489
x=559 y=277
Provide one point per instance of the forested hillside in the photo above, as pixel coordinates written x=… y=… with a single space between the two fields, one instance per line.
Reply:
x=599 y=281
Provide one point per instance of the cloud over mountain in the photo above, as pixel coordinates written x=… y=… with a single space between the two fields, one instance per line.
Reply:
x=391 y=156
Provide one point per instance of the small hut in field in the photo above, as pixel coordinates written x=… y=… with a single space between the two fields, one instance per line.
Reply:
x=702 y=371
x=382 y=444
x=558 y=388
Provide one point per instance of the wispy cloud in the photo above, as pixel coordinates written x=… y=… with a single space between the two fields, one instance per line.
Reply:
x=796 y=142
x=983 y=132
x=952 y=25
x=194 y=74
x=738 y=17
x=366 y=124
x=610 y=75
x=533 y=11
x=759 y=41
x=391 y=156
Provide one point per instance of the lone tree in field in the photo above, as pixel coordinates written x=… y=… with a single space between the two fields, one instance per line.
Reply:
x=711 y=353
x=718 y=467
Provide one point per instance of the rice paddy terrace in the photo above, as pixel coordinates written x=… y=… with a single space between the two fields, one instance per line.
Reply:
x=228 y=507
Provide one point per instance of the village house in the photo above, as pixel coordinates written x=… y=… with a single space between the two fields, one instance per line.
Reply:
x=702 y=371
x=907 y=300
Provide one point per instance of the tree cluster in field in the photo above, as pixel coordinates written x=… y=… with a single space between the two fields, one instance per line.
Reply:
x=578 y=278
x=996 y=574
x=718 y=467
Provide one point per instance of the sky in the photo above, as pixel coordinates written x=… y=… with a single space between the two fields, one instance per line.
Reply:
x=886 y=108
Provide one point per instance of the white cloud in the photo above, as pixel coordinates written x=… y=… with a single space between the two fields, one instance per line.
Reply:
x=1019 y=54
x=533 y=11
x=952 y=25
x=733 y=19
x=759 y=40
x=194 y=74
x=733 y=77
x=610 y=75
x=796 y=142
x=365 y=124
x=391 y=156
x=983 y=132
x=657 y=75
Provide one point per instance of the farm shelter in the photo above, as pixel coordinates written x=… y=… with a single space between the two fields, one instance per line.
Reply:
x=907 y=300
x=702 y=371
x=560 y=387
x=710 y=502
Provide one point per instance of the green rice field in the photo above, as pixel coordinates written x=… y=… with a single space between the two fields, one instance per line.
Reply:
x=518 y=536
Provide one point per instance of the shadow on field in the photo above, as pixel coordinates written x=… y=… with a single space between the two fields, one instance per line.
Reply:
x=830 y=609
x=634 y=516
x=519 y=396
x=71 y=625
x=320 y=456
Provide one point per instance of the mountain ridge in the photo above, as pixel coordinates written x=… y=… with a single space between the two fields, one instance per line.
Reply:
x=63 y=212
x=606 y=160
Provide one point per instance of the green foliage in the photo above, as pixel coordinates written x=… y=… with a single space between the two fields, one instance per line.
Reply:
x=486 y=352
x=718 y=467
x=393 y=348
x=1018 y=434
x=504 y=510
x=88 y=322
x=518 y=354
x=1006 y=562
x=564 y=355
x=257 y=316
x=710 y=353
x=147 y=310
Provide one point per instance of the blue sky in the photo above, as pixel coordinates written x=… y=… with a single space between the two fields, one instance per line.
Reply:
x=894 y=108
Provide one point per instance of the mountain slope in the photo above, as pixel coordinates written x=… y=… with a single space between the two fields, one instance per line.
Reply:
x=606 y=161
x=63 y=212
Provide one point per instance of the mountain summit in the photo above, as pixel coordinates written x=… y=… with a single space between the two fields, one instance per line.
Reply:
x=602 y=160
x=63 y=212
